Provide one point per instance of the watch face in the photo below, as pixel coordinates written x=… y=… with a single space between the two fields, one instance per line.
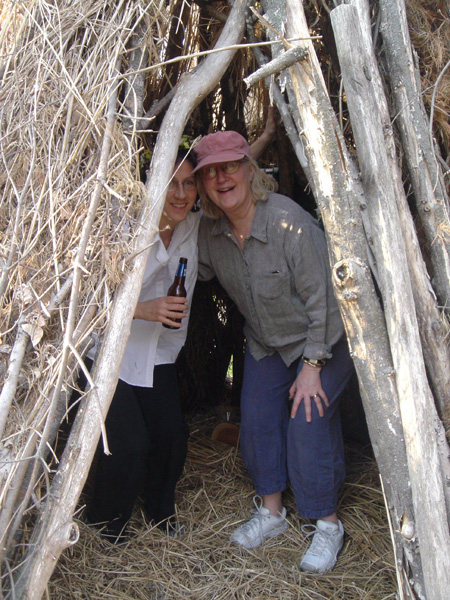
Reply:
x=314 y=362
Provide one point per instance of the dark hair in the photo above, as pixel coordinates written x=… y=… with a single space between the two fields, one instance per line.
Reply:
x=186 y=154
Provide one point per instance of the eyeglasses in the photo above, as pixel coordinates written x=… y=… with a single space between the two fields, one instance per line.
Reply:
x=189 y=185
x=229 y=168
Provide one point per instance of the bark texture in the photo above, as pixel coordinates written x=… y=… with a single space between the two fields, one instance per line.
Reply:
x=56 y=530
x=420 y=150
x=383 y=190
x=389 y=401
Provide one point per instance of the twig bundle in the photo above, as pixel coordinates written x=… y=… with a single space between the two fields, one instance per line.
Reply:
x=67 y=210
x=67 y=213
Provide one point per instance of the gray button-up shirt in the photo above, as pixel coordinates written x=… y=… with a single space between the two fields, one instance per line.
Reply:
x=280 y=282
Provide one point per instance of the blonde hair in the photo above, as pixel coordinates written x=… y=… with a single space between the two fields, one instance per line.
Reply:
x=261 y=186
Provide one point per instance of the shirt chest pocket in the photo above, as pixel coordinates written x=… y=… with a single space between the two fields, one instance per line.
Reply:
x=272 y=286
x=281 y=312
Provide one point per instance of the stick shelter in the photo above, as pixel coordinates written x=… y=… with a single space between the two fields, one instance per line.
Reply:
x=95 y=98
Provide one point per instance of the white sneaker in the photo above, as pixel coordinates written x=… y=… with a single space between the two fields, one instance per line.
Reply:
x=326 y=545
x=261 y=526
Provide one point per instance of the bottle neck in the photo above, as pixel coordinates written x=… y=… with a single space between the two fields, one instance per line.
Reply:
x=181 y=270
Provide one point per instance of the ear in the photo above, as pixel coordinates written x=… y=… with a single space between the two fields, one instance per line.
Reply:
x=251 y=171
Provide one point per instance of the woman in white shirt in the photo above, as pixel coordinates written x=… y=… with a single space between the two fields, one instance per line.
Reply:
x=146 y=431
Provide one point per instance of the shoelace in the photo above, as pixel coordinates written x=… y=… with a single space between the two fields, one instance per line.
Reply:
x=320 y=541
x=255 y=522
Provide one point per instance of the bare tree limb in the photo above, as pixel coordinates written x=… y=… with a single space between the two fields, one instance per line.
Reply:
x=17 y=355
x=416 y=402
x=420 y=150
x=342 y=201
x=133 y=104
x=77 y=457
x=283 y=61
x=281 y=105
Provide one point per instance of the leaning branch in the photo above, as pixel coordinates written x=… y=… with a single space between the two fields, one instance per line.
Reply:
x=281 y=62
x=427 y=180
x=366 y=100
x=54 y=532
x=283 y=109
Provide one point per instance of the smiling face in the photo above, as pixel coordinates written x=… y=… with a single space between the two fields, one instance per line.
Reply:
x=231 y=192
x=181 y=196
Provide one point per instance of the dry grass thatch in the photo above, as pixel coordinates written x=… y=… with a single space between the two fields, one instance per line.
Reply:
x=63 y=207
x=64 y=200
x=214 y=494
x=430 y=34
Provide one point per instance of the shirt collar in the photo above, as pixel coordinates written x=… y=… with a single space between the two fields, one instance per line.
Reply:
x=259 y=225
x=182 y=230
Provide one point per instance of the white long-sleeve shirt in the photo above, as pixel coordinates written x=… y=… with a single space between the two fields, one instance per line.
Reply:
x=150 y=343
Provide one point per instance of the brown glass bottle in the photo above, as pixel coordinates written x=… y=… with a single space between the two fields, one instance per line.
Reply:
x=177 y=288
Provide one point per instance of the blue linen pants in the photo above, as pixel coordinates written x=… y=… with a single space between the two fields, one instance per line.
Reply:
x=277 y=449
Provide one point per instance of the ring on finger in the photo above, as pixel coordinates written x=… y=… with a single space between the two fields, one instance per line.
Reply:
x=315 y=395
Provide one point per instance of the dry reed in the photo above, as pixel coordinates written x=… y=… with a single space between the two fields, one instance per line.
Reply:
x=429 y=25
x=214 y=495
x=59 y=63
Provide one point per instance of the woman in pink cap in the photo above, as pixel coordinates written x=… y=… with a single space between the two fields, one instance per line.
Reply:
x=271 y=257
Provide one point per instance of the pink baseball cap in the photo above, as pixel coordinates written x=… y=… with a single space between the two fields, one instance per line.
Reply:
x=220 y=147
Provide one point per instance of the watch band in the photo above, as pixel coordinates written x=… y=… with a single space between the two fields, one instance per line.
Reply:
x=314 y=362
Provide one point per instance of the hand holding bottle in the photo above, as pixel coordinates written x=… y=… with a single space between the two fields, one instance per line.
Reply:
x=170 y=309
x=165 y=310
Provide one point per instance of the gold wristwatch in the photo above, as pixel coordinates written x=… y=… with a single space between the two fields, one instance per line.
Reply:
x=313 y=362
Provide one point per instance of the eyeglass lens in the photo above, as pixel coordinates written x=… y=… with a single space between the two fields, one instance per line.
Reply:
x=229 y=168
x=188 y=186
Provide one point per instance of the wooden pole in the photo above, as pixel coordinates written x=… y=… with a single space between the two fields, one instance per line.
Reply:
x=56 y=531
x=416 y=402
x=343 y=207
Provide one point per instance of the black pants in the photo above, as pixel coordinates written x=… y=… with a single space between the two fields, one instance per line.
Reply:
x=147 y=438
